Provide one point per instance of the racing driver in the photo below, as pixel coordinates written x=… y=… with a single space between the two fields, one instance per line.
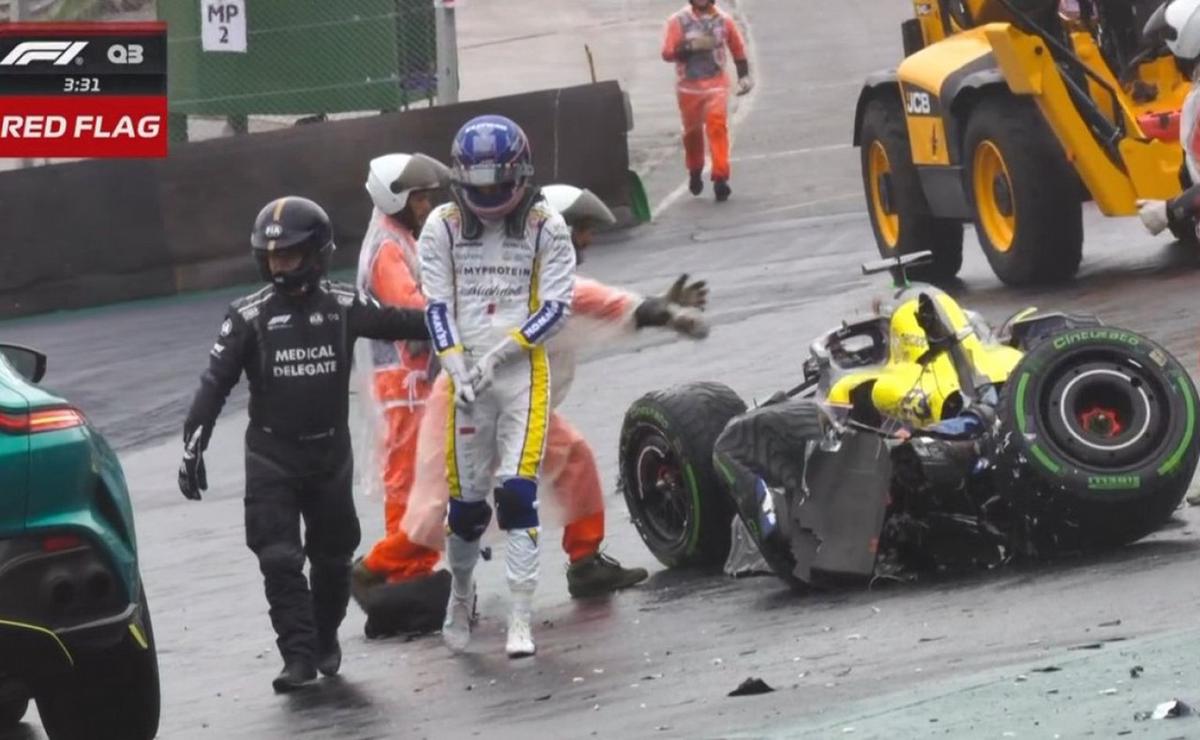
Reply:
x=498 y=275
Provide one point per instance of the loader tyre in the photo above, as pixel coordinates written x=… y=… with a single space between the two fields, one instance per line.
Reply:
x=900 y=216
x=1025 y=197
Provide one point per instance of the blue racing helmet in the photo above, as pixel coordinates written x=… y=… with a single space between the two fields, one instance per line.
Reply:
x=491 y=166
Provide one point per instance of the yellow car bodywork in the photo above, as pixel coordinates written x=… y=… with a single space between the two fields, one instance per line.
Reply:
x=913 y=392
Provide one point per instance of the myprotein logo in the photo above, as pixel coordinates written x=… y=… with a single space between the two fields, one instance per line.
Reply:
x=58 y=53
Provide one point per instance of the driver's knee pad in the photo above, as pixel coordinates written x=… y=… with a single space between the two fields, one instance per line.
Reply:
x=516 y=504
x=469 y=519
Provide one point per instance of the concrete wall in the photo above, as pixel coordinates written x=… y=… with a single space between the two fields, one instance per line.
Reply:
x=98 y=231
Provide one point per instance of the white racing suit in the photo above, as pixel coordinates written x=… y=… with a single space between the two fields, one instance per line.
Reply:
x=485 y=282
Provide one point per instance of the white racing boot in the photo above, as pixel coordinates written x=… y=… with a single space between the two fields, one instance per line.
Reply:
x=460 y=611
x=521 y=569
x=520 y=631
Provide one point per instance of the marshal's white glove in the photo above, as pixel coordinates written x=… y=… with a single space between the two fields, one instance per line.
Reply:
x=688 y=321
x=455 y=366
x=1154 y=215
x=745 y=84
x=484 y=372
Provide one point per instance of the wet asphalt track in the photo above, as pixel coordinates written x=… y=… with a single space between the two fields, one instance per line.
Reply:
x=940 y=658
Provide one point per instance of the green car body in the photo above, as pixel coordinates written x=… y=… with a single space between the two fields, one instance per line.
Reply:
x=75 y=629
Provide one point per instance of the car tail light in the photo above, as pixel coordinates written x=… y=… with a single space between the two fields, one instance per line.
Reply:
x=41 y=420
x=59 y=542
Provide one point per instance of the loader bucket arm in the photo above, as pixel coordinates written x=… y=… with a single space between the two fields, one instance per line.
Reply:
x=1114 y=160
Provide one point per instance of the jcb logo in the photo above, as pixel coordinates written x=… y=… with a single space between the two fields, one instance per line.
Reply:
x=919 y=103
x=60 y=53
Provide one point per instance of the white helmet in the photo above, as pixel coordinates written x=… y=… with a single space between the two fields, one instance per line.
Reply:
x=1179 y=20
x=393 y=177
x=578 y=204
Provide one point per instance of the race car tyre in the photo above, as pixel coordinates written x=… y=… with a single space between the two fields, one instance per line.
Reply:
x=1099 y=427
x=12 y=711
x=896 y=202
x=1025 y=197
x=110 y=693
x=769 y=444
x=675 y=499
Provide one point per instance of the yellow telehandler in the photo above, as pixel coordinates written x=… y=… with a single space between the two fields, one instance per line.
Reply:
x=1009 y=114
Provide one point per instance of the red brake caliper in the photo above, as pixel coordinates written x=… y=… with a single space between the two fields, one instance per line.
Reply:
x=1102 y=421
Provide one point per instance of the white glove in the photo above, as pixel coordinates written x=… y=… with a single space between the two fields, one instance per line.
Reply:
x=455 y=366
x=745 y=84
x=484 y=372
x=1154 y=215
x=688 y=322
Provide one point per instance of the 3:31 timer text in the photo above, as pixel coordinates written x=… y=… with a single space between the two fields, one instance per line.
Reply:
x=81 y=84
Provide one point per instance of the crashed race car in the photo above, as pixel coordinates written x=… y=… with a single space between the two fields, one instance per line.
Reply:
x=920 y=439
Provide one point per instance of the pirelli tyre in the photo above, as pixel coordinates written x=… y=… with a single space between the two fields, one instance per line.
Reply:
x=761 y=455
x=1025 y=197
x=1099 y=430
x=899 y=212
x=110 y=693
x=675 y=499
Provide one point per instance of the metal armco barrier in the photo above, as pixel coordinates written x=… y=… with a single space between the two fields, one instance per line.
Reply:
x=101 y=231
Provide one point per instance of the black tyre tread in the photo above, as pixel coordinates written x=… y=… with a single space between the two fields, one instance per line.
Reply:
x=1048 y=244
x=1105 y=524
x=919 y=230
x=698 y=412
x=770 y=443
x=12 y=711
x=102 y=696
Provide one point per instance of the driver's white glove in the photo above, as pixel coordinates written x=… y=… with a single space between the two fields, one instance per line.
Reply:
x=745 y=84
x=484 y=372
x=455 y=366
x=1154 y=215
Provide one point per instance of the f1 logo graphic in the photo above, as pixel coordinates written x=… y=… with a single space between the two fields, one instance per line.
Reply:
x=59 y=52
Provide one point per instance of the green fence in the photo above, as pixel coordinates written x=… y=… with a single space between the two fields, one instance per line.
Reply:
x=304 y=58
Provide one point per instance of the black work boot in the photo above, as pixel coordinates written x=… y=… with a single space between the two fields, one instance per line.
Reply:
x=695 y=182
x=599 y=574
x=329 y=655
x=722 y=190
x=296 y=674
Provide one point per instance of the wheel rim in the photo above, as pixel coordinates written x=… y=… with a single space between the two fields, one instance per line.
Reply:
x=660 y=488
x=879 y=172
x=1106 y=415
x=993 y=196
